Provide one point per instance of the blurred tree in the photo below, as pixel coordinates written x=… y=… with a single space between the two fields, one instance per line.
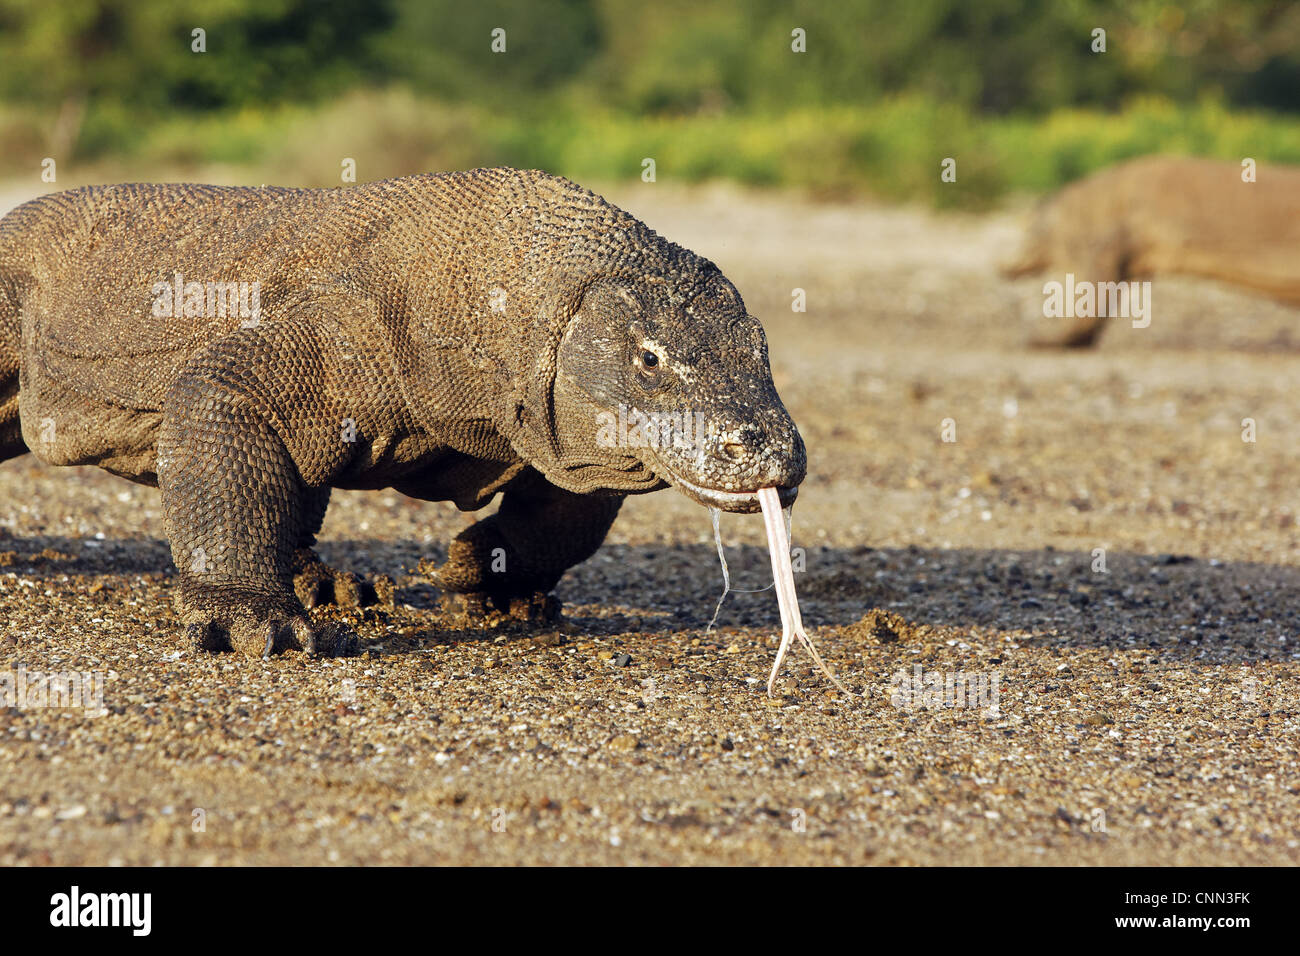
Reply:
x=124 y=63
x=999 y=56
x=445 y=46
x=140 y=51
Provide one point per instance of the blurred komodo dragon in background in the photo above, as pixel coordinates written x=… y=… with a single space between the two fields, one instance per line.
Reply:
x=450 y=336
x=1166 y=215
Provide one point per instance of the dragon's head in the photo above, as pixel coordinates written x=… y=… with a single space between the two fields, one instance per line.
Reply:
x=669 y=375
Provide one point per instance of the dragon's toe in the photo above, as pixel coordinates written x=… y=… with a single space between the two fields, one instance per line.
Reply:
x=265 y=631
x=317 y=584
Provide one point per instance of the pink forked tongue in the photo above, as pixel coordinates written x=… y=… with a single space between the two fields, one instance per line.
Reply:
x=778 y=546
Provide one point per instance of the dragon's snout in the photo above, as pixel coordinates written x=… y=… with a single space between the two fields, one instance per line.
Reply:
x=728 y=469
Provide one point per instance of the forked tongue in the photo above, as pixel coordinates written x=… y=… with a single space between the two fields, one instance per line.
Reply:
x=778 y=546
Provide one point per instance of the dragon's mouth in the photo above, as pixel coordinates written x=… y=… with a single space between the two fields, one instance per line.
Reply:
x=743 y=502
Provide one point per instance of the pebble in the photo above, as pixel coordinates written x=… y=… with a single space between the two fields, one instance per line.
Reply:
x=624 y=743
x=177 y=733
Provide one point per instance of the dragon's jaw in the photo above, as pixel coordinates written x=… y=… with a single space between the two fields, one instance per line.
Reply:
x=741 y=502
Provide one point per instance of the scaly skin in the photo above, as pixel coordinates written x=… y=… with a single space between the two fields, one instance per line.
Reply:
x=1168 y=215
x=450 y=336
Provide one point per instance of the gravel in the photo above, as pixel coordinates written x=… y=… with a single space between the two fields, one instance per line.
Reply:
x=1070 y=634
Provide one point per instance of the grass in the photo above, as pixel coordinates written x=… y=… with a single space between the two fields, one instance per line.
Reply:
x=891 y=149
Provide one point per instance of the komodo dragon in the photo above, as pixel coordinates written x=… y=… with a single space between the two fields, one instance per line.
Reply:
x=449 y=336
x=1166 y=215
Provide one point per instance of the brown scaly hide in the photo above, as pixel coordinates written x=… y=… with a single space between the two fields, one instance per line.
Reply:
x=409 y=336
x=1166 y=215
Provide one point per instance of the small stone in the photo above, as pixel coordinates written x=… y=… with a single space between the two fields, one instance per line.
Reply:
x=624 y=743
x=623 y=660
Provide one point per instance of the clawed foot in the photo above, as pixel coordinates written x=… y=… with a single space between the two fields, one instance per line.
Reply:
x=316 y=583
x=532 y=607
x=536 y=609
x=258 y=628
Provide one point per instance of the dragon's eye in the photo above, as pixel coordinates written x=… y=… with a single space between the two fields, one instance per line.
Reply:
x=649 y=359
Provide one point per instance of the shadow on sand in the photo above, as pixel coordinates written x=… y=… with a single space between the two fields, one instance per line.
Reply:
x=1190 y=608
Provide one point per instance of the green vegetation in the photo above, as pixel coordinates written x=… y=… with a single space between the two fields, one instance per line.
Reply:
x=1011 y=88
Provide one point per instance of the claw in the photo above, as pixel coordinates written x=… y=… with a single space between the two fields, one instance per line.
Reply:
x=432 y=573
x=347 y=645
x=316 y=583
x=337 y=641
x=305 y=634
x=385 y=592
x=313 y=595
x=536 y=608
x=347 y=590
x=262 y=628
x=194 y=635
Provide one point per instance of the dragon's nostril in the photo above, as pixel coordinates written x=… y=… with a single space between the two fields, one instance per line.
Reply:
x=734 y=450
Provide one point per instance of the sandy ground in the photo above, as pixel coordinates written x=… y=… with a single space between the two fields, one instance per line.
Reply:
x=1146 y=713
